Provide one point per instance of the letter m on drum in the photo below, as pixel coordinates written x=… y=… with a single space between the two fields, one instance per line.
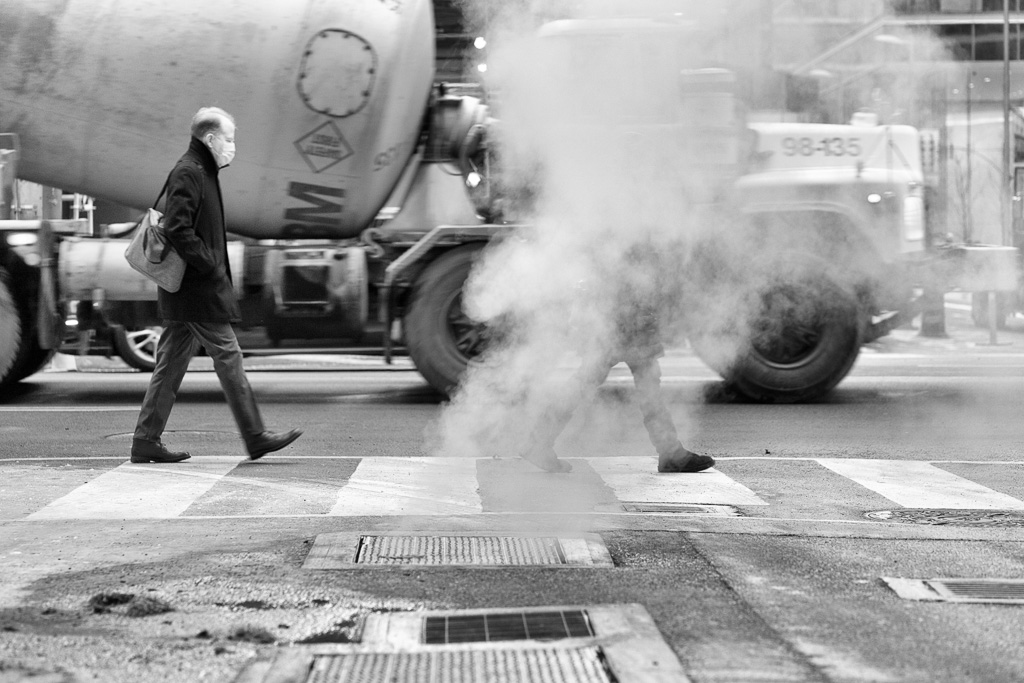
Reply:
x=320 y=210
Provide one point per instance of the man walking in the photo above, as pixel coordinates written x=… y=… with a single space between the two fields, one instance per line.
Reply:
x=639 y=301
x=201 y=312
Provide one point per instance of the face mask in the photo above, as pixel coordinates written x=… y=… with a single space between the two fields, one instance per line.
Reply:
x=223 y=151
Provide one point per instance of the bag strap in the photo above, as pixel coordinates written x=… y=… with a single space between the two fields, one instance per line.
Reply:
x=162 y=190
x=165 y=242
x=146 y=236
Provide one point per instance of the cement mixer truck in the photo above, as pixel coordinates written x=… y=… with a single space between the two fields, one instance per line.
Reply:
x=362 y=190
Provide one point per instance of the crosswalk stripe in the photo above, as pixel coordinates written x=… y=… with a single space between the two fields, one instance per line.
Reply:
x=410 y=486
x=637 y=479
x=140 y=491
x=68 y=409
x=391 y=486
x=916 y=484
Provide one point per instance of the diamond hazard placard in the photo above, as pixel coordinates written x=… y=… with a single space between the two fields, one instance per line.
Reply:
x=323 y=147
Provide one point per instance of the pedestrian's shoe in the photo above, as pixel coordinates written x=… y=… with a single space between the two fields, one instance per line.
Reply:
x=150 y=451
x=268 y=442
x=682 y=460
x=548 y=460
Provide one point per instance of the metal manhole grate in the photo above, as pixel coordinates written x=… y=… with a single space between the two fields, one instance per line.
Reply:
x=952 y=517
x=463 y=550
x=487 y=628
x=681 y=509
x=550 y=665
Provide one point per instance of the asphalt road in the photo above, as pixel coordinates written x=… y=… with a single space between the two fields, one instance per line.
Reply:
x=767 y=568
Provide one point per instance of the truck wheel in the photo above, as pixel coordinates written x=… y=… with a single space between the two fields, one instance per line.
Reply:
x=137 y=347
x=441 y=338
x=34 y=361
x=804 y=337
x=20 y=354
x=10 y=331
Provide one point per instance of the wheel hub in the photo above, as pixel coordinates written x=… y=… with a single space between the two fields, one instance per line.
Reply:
x=789 y=328
x=471 y=338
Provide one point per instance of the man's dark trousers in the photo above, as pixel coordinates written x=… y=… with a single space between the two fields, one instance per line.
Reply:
x=591 y=375
x=178 y=344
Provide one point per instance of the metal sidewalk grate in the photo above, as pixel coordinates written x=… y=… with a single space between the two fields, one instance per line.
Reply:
x=454 y=549
x=488 y=628
x=462 y=550
x=545 y=665
x=588 y=644
x=991 y=591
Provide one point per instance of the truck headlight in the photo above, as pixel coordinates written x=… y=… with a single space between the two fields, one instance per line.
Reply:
x=25 y=245
x=21 y=239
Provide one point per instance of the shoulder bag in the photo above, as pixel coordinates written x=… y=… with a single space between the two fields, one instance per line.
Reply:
x=150 y=253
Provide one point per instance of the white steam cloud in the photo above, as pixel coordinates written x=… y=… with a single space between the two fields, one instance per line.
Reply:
x=589 y=130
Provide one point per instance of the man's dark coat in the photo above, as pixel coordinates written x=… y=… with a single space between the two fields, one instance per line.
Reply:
x=194 y=221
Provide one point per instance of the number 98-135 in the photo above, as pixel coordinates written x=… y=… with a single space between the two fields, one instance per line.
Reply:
x=829 y=147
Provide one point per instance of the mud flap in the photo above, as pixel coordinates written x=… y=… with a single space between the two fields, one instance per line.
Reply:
x=50 y=322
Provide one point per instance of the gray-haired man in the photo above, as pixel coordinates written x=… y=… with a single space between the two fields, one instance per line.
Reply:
x=201 y=312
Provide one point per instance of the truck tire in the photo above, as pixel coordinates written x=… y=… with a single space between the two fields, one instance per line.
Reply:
x=34 y=360
x=804 y=337
x=20 y=354
x=10 y=331
x=137 y=346
x=441 y=339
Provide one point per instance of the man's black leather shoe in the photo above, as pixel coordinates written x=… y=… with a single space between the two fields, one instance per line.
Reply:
x=268 y=442
x=682 y=460
x=147 y=451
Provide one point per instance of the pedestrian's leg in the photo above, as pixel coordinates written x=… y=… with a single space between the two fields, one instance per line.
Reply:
x=221 y=344
x=176 y=348
x=660 y=428
x=584 y=383
x=672 y=455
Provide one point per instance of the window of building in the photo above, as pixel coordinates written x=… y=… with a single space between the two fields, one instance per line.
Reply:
x=988 y=43
x=997 y=5
x=915 y=6
x=980 y=42
x=953 y=6
x=959 y=40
